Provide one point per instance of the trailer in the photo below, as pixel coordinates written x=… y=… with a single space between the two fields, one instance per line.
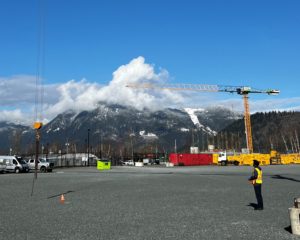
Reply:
x=191 y=159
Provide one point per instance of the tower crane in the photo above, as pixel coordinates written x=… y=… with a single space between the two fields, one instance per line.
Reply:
x=241 y=90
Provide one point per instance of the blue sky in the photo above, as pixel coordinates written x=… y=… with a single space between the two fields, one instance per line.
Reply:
x=236 y=42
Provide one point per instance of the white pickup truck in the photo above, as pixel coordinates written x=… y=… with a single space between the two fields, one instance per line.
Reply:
x=43 y=165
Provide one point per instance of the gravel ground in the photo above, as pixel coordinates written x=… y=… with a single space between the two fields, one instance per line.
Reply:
x=207 y=202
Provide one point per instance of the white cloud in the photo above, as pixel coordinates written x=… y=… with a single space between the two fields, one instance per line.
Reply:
x=20 y=90
x=17 y=95
x=11 y=115
x=83 y=95
x=137 y=71
x=276 y=104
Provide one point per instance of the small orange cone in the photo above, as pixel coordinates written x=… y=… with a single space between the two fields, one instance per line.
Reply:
x=62 y=199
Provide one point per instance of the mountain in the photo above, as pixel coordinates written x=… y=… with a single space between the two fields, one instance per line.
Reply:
x=118 y=130
x=115 y=130
x=11 y=135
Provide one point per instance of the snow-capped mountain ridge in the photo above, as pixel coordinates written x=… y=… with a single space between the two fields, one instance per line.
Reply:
x=117 y=124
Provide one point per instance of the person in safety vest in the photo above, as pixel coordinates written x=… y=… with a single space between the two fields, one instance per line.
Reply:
x=256 y=181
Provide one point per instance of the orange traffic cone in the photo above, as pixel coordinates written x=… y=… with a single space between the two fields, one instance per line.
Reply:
x=62 y=199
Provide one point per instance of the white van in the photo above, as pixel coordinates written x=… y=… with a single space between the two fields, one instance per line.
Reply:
x=14 y=164
x=2 y=166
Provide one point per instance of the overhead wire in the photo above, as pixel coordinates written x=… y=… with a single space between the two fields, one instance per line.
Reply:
x=39 y=87
x=40 y=65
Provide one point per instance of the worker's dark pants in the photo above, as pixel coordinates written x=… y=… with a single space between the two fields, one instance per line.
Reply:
x=257 y=189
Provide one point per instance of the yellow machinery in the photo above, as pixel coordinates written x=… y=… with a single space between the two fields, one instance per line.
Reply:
x=292 y=158
x=265 y=159
x=247 y=159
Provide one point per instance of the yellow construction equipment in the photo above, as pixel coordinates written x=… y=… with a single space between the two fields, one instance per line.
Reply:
x=271 y=158
x=247 y=159
x=291 y=158
x=241 y=90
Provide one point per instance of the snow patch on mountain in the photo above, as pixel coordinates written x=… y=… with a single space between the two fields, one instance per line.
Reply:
x=192 y=113
x=184 y=130
x=148 y=135
x=194 y=118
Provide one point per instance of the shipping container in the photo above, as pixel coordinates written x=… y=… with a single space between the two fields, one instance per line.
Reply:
x=187 y=159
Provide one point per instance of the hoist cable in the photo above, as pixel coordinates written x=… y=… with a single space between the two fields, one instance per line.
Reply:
x=39 y=91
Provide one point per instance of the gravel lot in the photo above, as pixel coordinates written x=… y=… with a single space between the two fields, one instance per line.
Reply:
x=207 y=202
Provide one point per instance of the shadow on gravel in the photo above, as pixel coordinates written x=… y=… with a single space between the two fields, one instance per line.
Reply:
x=57 y=195
x=285 y=178
x=288 y=229
x=254 y=205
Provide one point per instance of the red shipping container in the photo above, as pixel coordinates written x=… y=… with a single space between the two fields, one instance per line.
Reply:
x=188 y=159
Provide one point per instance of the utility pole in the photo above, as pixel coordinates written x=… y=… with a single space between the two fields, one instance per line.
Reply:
x=100 y=147
x=175 y=148
x=297 y=141
x=47 y=151
x=67 y=147
x=88 y=148
x=193 y=141
x=132 y=155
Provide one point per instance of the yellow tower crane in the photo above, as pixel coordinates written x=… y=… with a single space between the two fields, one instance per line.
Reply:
x=241 y=90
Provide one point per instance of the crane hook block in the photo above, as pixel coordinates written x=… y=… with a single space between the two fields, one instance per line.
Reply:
x=37 y=125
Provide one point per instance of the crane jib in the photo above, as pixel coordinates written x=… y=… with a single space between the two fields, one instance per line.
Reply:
x=242 y=90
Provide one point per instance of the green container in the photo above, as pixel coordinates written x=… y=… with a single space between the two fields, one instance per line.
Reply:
x=103 y=165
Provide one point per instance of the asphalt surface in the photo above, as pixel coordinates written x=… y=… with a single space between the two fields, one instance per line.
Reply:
x=207 y=202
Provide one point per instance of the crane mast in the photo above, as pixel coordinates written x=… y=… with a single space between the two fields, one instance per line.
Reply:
x=248 y=130
x=241 y=90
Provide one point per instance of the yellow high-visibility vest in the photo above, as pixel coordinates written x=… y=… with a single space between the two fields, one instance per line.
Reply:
x=259 y=176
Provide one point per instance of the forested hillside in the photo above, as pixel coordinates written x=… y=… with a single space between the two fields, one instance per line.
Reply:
x=271 y=130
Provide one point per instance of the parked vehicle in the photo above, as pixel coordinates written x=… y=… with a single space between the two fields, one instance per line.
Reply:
x=147 y=161
x=2 y=166
x=43 y=165
x=128 y=163
x=14 y=164
x=224 y=159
